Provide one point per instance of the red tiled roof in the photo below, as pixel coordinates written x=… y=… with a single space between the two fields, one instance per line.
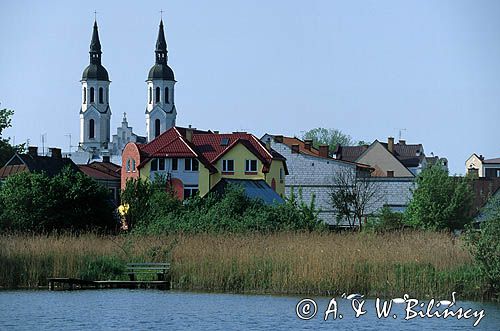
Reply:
x=101 y=170
x=205 y=145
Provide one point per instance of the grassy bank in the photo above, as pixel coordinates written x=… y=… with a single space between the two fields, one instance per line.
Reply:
x=422 y=264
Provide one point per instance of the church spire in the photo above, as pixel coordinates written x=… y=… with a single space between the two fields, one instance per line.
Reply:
x=161 y=46
x=95 y=46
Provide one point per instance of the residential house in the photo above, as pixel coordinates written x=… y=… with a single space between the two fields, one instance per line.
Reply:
x=481 y=167
x=312 y=171
x=396 y=166
x=107 y=174
x=34 y=163
x=195 y=161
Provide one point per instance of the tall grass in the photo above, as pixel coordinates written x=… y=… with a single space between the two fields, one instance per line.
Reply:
x=423 y=264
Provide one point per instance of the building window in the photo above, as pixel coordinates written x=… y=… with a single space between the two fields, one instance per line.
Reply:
x=282 y=175
x=191 y=164
x=154 y=165
x=157 y=94
x=250 y=165
x=150 y=95
x=161 y=164
x=91 y=129
x=390 y=173
x=157 y=127
x=166 y=95
x=101 y=95
x=175 y=164
x=84 y=95
x=133 y=165
x=91 y=94
x=128 y=165
x=227 y=165
x=190 y=191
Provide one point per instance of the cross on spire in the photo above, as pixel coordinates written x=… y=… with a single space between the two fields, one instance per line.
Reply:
x=161 y=14
x=95 y=15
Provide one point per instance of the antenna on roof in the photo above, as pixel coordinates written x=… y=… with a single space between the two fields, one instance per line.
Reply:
x=400 y=132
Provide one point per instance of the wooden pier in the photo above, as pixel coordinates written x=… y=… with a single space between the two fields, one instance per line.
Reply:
x=160 y=269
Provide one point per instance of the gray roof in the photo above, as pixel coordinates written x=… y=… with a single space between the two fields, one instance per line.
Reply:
x=254 y=189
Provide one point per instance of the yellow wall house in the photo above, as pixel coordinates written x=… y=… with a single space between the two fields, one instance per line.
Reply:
x=196 y=162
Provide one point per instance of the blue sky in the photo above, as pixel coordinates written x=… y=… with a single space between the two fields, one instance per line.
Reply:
x=368 y=68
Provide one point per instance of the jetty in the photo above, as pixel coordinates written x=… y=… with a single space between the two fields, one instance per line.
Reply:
x=162 y=271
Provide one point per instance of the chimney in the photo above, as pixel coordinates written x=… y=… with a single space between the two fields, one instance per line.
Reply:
x=402 y=142
x=295 y=149
x=390 y=144
x=33 y=150
x=278 y=139
x=324 y=150
x=106 y=159
x=189 y=134
x=308 y=144
x=55 y=153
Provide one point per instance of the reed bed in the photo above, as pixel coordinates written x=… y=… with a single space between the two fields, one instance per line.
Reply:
x=422 y=264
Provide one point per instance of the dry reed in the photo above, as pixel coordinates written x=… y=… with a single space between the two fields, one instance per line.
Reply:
x=422 y=264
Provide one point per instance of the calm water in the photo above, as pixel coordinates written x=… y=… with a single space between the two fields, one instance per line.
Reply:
x=170 y=310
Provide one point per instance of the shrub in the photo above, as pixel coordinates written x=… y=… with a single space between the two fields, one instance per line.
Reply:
x=35 y=202
x=439 y=201
x=385 y=220
x=485 y=246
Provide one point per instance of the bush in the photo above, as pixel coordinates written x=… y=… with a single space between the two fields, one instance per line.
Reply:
x=35 y=202
x=485 y=246
x=439 y=201
x=158 y=211
x=385 y=220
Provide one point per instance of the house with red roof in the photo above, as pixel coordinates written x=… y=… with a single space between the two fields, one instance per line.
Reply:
x=107 y=174
x=195 y=161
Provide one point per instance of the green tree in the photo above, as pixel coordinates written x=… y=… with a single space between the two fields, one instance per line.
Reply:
x=440 y=201
x=35 y=202
x=330 y=137
x=485 y=245
x=6 y=150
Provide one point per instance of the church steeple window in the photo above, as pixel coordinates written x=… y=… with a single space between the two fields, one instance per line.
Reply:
x=84 y=95
x=91 y=94
x=157 y=94
x=166 y=95
x=157 y=127
x=150 y=95
x=101 y=95
x=91 y=129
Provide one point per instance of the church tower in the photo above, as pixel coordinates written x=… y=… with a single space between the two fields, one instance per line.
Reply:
x=95 y=114
x=160 y=109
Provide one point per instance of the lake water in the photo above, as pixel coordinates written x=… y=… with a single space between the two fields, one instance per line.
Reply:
x=172 y=310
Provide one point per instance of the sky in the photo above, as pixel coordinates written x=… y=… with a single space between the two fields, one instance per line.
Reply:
x=372 y=69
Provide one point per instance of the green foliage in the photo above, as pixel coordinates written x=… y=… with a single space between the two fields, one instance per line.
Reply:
x=485 y=246
x=440 y=201
x=6 y=150
x=385 y=220
x=158 y=211
x=35 y=202
x=330 y=137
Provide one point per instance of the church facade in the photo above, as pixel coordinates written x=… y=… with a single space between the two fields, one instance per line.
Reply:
x=95 y=112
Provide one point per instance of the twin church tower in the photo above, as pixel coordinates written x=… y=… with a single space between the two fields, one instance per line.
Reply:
x=95 y=113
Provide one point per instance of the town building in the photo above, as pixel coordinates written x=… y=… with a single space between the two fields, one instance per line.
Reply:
x=95 y=112
x=479 y=166
x=106 y=174
x=195 y=161
x=312 y=172
x=33 y=163
x=390 y=159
